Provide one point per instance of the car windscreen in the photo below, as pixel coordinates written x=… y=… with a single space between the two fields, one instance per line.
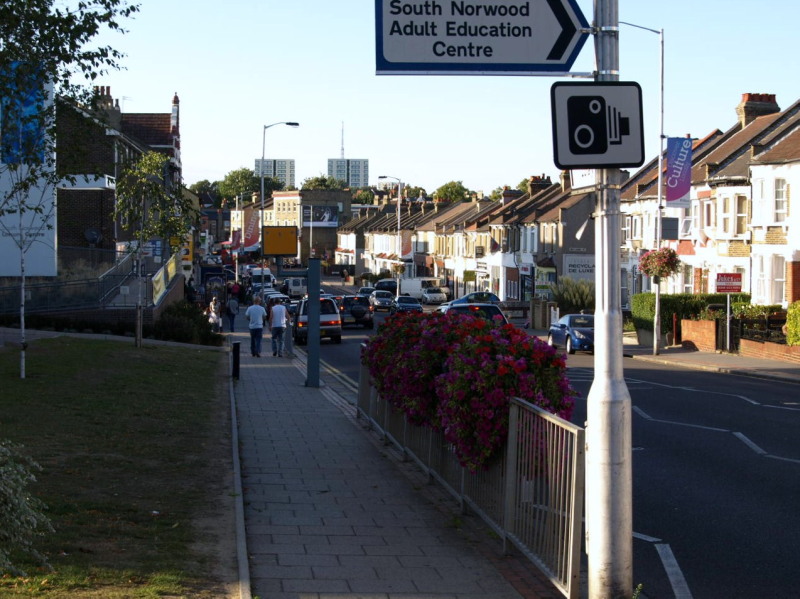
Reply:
x=582 y=322
x=325 y=307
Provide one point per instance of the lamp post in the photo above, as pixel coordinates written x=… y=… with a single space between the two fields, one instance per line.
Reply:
x=657 y=288
x=399 y=240
x=261 y=172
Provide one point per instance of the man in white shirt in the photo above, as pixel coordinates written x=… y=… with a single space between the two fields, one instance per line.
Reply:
x=277 y=321
x=256 y=315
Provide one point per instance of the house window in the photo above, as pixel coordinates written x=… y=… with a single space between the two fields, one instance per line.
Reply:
x=686 y=228
x=626 y=230
x=780 y=200
x=687 y=275
x=709 y=215
x=760 y=291
x=636 y=227
x=726 y=215
x=741 y=215
x=778 y=279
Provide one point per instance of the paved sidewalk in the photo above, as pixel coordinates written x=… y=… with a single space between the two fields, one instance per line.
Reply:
x=722 y=362
x=330 y=512
x=717 y=362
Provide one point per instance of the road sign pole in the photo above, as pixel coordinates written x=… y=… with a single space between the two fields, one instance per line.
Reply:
x=609 y=513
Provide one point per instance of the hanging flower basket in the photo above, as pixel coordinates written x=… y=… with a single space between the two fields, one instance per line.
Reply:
x=659 y=263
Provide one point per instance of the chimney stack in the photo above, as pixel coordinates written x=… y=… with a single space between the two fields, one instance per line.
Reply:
x=753 y=106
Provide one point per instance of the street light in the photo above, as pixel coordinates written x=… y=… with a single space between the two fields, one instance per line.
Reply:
x=399 y=241
x=261 y=172
x=657 y=288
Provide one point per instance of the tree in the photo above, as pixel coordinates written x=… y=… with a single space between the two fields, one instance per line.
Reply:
x=413 y=192
x=207 y=191
x=496 y=194
x=242 y=181
x=46 y=48
x=363 y=196
x=524 y=185
x=151 y=206
x=323 y=182
x=454 y=191
x=149 y=202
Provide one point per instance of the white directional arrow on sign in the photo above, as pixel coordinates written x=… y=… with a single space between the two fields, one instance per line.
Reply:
x=473 y=36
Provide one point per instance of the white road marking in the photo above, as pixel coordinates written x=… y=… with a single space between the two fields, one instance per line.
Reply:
x=749 y=443
x=674 y=573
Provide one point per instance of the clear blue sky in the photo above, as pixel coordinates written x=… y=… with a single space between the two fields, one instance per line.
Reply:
x=242 y=64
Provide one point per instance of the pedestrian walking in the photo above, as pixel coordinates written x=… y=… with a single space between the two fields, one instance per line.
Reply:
x=277 y=322
x=256 y=316
x=232 y=311
x=213 y=312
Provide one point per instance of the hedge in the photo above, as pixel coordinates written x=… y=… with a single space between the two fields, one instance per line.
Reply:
x=685 y=305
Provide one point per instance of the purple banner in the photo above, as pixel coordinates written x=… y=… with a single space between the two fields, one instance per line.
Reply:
x=679 y=169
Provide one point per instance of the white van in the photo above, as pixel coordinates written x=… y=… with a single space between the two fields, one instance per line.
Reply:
x=295 y=287
x=414 y=287
x=256 y=275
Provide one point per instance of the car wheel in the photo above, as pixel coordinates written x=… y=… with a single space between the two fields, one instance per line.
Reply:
x=369 y=325
x=550 y=341
x=337 y=339
x=570 y=349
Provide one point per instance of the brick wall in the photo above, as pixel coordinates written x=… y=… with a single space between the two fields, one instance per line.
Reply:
x=769 y=351
x=79 y=209
x=699 y=334
x=792 y=281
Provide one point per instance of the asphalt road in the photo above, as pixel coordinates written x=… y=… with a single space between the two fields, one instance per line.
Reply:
x=716 y=476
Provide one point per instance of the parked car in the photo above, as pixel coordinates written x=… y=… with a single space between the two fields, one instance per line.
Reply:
x=477 y=297
x=365 y=291
x=330 y=322
x=574 y=332
x=381 y=300
x=405 y=303
x=488 y=311
x=433 y=295
x=356 y=309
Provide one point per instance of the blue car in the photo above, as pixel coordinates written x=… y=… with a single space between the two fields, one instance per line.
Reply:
x=573 y=332
x=478 y=297
x=405 y=303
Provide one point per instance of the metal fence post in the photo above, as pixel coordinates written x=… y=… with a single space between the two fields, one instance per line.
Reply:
x=236 y=348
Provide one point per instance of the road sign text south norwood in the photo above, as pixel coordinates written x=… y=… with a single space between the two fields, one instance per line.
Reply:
x=527 y=36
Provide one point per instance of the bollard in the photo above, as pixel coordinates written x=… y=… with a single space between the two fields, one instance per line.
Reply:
x=235 y=366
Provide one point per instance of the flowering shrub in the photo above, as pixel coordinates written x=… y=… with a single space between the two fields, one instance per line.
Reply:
x=659 y=263
x=402 y=358
x=458 y=373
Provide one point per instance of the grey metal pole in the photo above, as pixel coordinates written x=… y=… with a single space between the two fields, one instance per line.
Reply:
x=312 y=339
x=657 y=287
x=261 y=213
x=609 y=513
x=261 y=170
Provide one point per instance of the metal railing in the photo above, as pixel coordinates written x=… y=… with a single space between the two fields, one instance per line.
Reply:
x=767 y=328
x=83 y=293
x=532 y=497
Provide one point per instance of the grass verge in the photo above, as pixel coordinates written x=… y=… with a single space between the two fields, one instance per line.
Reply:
x=135 y=449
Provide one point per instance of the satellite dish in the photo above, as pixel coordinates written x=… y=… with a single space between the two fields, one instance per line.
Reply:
x=93 y=235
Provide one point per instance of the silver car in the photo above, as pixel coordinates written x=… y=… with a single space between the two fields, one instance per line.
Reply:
x=381 y=300
x=433 y=295
x=330 y=321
